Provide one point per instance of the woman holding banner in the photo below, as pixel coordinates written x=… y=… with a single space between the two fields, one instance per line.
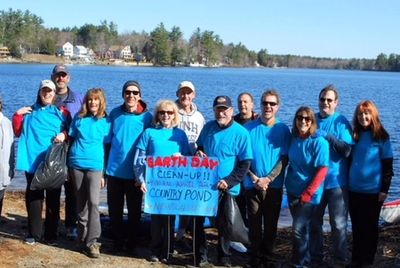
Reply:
x=164 y=139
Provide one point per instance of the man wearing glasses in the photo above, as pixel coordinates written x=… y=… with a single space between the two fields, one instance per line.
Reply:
x=230 y=143
x=336 y=129
x=128 y=121
x=270 y=139
x=72 y=101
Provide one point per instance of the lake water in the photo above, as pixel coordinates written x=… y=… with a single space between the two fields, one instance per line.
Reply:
x=19 y=84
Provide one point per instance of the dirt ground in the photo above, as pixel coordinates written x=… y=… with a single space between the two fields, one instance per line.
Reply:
x=14 y=253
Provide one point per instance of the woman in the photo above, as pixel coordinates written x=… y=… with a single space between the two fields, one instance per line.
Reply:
x=165 y=139
x=38 y=126
x=308 y=166
x=371 y=171
x=89 y=132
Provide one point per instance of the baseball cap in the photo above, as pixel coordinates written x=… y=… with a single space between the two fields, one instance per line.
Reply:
x=59 y=68
x=131 y=83
x=47 y=84
x=222 y=101
x=185 y=84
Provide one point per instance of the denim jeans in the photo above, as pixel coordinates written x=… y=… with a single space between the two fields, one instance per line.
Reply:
x=301 y=214
x=336 y=200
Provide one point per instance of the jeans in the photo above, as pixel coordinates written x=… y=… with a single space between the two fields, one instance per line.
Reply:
x=364 y=213
x=301 y=214
x=87 y=185
x=263 y=206
x=336 y=200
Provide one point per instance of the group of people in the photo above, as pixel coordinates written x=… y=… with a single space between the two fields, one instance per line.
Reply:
x=323 y=162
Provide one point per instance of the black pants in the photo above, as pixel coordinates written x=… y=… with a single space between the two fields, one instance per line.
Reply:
x=1 y=199
x=263 y=207
x=162 y=235
x=34 y=206
x=117 y=190
x=200 y=246
x=71 y=214
x=364 y=212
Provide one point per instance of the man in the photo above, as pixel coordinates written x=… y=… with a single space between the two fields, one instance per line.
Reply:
x=337 y=131
x=270 y=139
x=72 y=101
x=230 y=143
x=246 y=108
x=128 y=121
x=192 y=122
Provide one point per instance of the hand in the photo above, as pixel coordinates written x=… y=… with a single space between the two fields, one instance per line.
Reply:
x=222 y=185
x=143 y=188
x=103 y=183
x=382 y=197
x=59 y=138
x=200 y=153
x=263 y=183
x=24 y=110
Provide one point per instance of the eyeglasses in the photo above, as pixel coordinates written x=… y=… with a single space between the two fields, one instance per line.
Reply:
x=300 y=118
x=129 y=92
x=270 y=103
x=166 y=112
x=60 y=75
x=325 y=99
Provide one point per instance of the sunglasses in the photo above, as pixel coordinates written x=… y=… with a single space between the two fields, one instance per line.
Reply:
x=270 y=103
x=165 y=112
x=300 y=118
x=129 y=92
x=325 y=99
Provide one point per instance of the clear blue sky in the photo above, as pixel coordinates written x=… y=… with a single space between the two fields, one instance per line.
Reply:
x=322 y=28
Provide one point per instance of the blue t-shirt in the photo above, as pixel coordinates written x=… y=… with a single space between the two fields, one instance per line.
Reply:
x=126 y=129
x=338 y=126
x=366 y=165
x=305 y=157
x=87 y=151
x=38 y=132
x=269 y=143
x=164 y=142
x=229 y=145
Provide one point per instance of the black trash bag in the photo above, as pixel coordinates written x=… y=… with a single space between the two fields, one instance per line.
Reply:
x=53 y=171
x=229 y=220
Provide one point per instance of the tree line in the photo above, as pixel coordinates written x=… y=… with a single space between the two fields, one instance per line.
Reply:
x=23 y=32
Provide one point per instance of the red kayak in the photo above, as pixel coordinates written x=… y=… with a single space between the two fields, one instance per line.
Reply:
x=390 y=212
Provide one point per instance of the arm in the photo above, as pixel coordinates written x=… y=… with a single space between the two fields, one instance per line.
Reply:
x=309 y=192
x=339 y=146
x=18 y=119
x=236 y=176
x=139 y=167
x=387 y=173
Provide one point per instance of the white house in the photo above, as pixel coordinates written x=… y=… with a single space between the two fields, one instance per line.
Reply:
x=119 y=52
x=80 y=52
x=68 y=50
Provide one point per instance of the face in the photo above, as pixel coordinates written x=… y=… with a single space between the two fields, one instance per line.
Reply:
x=303 y=122
x=166 y=115
x=186 y=96
x=223 y=115
x=364 y=118
x=47 y=96
x=93 y=105
x=269 y=107
x=245 y=105
x=131 y=96
x=61 y=80
x=327 y=103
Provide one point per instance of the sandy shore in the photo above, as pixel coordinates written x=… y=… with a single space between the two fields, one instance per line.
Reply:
x=14 y=253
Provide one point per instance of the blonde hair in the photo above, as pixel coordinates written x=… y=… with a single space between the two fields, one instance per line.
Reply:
x=163 y=105
x=310 y=113
x=95 y=93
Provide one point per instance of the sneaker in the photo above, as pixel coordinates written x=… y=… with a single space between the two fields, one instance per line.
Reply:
x=153 y=258
x=72 y=233
x=30 y=241
x=239 y=247
x=51 y=242
x=93 y=251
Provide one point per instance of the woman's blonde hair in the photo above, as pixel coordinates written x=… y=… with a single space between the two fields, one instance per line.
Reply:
x=378 y=131
x=95 y=93
x=166 y=105
x=310 y=113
